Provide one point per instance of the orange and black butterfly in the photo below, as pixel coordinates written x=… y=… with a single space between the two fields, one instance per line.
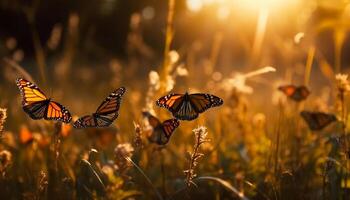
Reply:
x=162 y=131
x=38 y=106
x=188 y=106
x=317 y=120
x=297 y=93
x=105 y=114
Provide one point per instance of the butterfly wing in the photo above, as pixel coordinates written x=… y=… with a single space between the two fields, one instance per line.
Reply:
x=107 y=112
x=172 y=102
x=288 y=90
x=38 y=106
x=30 y=93
x=188 y=107
x=202 y=102
x=317 y=120
x=162 y=133
x=300 y=94
x=169 y=126
x=36 y=110
x=56 y=111
x=152 y=120
x=34 y=101
x=85 y=121
x=178 y=105
x=296 y=93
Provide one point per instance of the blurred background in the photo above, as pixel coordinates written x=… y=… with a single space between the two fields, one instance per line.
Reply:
x=65 y=42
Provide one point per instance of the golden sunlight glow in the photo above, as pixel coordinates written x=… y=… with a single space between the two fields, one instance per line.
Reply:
x=262 y=3
x=223 y=13
x=194 y=5
x=224 y=6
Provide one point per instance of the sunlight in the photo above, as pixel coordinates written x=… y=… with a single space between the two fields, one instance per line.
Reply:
x=258 y=4
x=194 y=5
x=197 y=5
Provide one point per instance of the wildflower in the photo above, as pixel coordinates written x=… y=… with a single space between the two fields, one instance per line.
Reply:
x=298 y=37
x=342 y=83
x=138 y=134
x=93 y=156
x=238 y=81
x=5 y=160
x=154 y=85
x=181 y=70
x=259 y=120
x=3 y=117
x=263 y=70
x=154 y=80
x=170 y=82
x=55 y=37
x=122 y=152
x=200 y=138
x=173 y=56
x=42 y=182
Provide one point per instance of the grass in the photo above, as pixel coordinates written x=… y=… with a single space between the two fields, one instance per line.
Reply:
x=260 y=147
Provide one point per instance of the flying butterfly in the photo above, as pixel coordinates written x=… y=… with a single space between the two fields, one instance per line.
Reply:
x=38 y=106
x=188 y=106
x=162 y=131
x=297 y=93
x=105 y=114
x=317 y=120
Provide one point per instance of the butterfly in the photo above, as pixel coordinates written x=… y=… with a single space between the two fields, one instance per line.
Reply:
x=188 y=106
x=317 y=120
x=105 y=114
x=38 y=106
x=162 y=131
x=297 y=93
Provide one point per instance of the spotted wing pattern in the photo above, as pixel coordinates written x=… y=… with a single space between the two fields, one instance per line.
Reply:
x=38 y=106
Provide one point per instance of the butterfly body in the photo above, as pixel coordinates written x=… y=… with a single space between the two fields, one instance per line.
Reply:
x=162 y=131
x=188 y=106
x=105 y=114
x=38 y=106
x=296 y=93
x=317 y=120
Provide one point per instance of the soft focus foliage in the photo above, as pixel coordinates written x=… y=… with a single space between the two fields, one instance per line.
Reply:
x=240 y=50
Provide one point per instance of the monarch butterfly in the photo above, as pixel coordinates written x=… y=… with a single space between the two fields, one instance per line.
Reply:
x=317 y=120
x=105 y=114
x=161 y=131
x=38 y=106
x=297 y=93
x=188 y=106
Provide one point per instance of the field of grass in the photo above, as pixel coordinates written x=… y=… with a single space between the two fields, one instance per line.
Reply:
x=257 y=145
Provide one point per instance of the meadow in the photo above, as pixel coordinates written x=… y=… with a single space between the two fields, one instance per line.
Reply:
x=280 y=67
